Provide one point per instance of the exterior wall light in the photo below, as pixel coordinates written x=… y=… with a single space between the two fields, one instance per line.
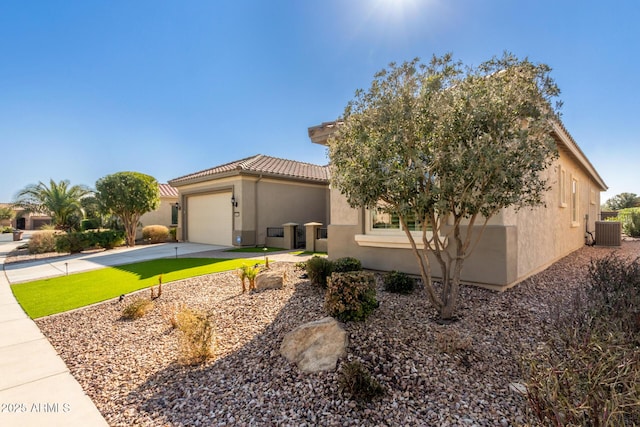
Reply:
x=234 y=203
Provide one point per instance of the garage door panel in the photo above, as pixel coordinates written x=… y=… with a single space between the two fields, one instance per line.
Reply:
x=210 y=219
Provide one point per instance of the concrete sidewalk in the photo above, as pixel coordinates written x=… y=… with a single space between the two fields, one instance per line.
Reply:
x=27 y=271
x=36 y=387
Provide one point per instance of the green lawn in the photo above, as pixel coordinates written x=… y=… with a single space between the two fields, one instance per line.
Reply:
x=49 y=296
x=258 y=250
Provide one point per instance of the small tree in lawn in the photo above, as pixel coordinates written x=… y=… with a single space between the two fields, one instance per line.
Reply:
x=128 y=195
x=446 y=147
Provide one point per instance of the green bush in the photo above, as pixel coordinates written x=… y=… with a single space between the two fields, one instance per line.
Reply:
x=6 y=229
x=630 y=219
x=343 y=265
x=351 y=296
x=155 y=233
x=107 y=239
x=73 y=242
x=90 y=224
x=398 y=282
x=319 y=269
x=357 y=383
x=43 y=241
x=173 y=233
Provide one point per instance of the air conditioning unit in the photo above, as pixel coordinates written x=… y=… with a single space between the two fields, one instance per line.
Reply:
x=608 y=233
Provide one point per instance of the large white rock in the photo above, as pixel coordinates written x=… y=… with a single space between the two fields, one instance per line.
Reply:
x=269 y=280
x=315 y=346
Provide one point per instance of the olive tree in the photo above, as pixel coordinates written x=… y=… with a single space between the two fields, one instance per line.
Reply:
x=447 y=147
x=128 y=195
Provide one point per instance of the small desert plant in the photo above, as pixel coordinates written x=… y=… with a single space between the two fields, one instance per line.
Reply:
x=173 y=233
x=451 y=341
x=351 y=296
x=247 y=272
x=43 y=241
x=588 y=370
x=593 y=382
x=613 y=292
x=153 y=294
x=196 y=336
x=398 y=282
x=319 y=269
x=356 y=383
x=345 y=264
x=155 y=233
x=137 y=308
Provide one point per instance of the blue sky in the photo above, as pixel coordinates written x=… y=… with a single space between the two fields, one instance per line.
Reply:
x=172 y=87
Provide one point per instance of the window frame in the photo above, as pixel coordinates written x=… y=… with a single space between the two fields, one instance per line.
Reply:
x=575 y=202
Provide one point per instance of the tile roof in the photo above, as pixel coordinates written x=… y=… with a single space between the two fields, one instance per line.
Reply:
x=261 y=164
x=167 y=191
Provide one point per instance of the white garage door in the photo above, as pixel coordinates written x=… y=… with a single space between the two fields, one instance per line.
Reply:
x=209 y=219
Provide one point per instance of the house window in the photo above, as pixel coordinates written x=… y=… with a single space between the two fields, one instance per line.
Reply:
x=381 y=220
x=563 y=188
x=174 y=214
x=574 y=202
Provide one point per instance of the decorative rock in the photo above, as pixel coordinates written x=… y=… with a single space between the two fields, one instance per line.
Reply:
x=315 y=346
x=269 y=280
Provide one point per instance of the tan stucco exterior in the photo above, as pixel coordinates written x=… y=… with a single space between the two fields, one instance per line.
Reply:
x=262 y=201
x=513 y=246
x=161 y=216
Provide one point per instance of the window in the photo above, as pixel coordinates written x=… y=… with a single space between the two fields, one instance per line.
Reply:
x=174 y=214
x=563 y=187
x=574 y=202
x=381 y=220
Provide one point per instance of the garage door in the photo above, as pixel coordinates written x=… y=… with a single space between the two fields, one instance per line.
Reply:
x=209 y=219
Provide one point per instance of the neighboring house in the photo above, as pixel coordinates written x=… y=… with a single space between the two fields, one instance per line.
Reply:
x=235 y=203
x=513 y=246
x=167 y=212
x=25 y=220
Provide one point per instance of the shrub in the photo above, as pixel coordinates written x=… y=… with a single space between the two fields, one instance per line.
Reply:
x=43 y=241
x=343 y=265
x=351 y=296
x=319 y=269
x=614 y=292
x=137 y=308
x=357 y=383
x=592 y=382
x=173 y=233
x=108 y=239
x=196 y=336
x=90 y=224
x=588 y=371
x=6 y=229
x=398 y=282
x=73 y=242
x=155 y=233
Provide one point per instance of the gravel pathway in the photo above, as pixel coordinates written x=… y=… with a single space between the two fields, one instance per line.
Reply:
x=456 y=374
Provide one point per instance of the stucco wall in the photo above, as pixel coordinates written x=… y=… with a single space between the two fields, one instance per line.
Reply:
x=161 y=216
x=265 y=202
x=513 y=246
x=280 y=202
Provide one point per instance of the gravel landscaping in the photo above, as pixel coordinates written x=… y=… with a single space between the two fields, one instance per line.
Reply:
x=457 y=374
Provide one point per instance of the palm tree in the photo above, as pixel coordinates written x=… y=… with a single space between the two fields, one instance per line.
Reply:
x=60 y=200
